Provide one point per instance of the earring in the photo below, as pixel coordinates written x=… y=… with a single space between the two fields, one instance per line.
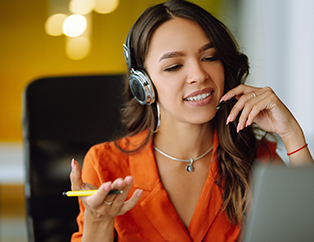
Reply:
x=158 y=118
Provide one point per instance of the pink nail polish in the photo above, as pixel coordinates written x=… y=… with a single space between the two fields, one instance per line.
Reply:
x=223 y=98
x=239 y=127
x=72 y=163
x=139 y=192
x=107 y=186
x=228 y=119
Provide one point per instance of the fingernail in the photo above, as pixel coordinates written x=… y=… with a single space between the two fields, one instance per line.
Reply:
x=247 y=123
x=239 y=127
x=139 y=192
x=120 y=183
x=107 y=186
x=228 y=119
x=72 y=163
x=223 y=98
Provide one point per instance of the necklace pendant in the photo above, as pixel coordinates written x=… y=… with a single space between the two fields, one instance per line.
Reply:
x=190 y=167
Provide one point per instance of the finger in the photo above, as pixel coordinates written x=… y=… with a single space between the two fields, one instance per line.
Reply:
x=252 y=106
x=99 y=197
x=128 y=180
x=244 y=101
x=76 y=176
x=263 y=100
x=237 y=92
x=129 y=204
x=118 y=184
x=125 y=186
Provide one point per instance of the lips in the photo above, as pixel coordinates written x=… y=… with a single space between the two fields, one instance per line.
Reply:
x=199 y=95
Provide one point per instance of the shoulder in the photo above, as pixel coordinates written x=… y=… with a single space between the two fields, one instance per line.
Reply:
x=266 y=147
x=116 y=149
x=266 y=151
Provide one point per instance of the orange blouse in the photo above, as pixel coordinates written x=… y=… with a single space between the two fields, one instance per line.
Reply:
x=154 y=218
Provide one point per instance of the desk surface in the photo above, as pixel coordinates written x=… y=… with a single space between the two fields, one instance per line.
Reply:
x=12 y=170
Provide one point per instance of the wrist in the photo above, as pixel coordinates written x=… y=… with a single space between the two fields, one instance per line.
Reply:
x=97 y=228
x=294 y=139
x=296 y=146
x=295 y=151
x=97 y=219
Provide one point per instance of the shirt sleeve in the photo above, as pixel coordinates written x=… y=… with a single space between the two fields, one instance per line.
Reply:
x=99 y=161
x=89 y=175
x=266 y=152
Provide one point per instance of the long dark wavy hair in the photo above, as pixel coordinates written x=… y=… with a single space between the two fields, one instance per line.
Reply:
x=236 y=152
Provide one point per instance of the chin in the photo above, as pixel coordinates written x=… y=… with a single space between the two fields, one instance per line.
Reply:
x=203 y=119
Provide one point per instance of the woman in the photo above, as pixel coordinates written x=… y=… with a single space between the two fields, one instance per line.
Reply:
x=184 y=166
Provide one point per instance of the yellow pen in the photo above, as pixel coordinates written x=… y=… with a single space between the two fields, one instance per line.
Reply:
x=84 y=193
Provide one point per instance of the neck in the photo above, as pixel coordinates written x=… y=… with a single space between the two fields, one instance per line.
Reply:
x=184 y=140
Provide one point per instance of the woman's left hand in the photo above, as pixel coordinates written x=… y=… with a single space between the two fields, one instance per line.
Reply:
x=262 y=106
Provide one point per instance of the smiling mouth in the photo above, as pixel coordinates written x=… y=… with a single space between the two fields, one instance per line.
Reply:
x=199 y=97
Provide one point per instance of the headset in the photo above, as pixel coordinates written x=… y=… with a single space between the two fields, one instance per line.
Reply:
x=140 y=83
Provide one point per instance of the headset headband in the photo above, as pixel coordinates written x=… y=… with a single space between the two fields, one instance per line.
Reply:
x=127 y=50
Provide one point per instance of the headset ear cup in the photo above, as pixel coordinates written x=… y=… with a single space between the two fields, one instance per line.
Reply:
x=140 y=84
x=142 y=87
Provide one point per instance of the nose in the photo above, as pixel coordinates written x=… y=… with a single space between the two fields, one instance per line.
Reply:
x=197 y=73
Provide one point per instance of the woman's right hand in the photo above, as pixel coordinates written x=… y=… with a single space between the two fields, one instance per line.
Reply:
x=101 y=207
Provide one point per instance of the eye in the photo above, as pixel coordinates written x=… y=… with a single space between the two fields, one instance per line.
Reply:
x=210 y=58
x=172 y=68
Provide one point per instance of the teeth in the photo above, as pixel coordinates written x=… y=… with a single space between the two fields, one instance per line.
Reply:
x=199 y=97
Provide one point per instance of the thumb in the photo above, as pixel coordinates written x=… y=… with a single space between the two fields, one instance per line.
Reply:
x=76 y=176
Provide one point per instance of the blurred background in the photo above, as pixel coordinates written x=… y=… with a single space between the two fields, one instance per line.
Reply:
x=42 y=38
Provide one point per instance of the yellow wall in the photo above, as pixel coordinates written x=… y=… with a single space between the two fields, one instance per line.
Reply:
x=27 y=53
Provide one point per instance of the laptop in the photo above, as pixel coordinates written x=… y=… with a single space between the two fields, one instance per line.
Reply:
x=282 y=205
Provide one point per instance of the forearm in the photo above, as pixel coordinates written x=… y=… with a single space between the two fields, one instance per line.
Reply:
x=294 y=141
x=97 y=230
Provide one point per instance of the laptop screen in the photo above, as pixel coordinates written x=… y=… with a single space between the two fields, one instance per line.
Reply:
x=282 y=204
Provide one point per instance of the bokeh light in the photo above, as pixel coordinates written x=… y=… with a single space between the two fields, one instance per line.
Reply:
x=106 y=6
x=77 y=27
x=74 y=25
x=54 y=23
x=81 y=6
x=77 y=48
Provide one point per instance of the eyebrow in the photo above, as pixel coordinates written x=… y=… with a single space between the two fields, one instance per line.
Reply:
x=180 y=53
x=171 y=55
x=206 y=47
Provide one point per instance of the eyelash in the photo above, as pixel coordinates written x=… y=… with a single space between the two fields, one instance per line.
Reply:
x=176 y=67
x=212 y=58
x=173 y=68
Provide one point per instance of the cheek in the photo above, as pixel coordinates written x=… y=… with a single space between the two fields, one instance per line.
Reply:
x=167 y=88
x=164 y=92
x=220 y=79
x=222 y=84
